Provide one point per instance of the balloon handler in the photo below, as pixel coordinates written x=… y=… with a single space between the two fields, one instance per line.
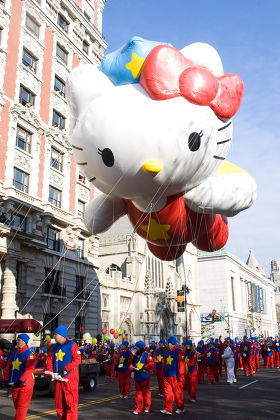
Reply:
x=19 y=375
x=142 y=364
x=64 y=359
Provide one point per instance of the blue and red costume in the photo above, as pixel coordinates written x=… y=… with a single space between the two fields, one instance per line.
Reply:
x=276 y=348
x=19 y=371
x=268 y=352
x=124 y=374
x=159 y=355
x=246 y=349
x=173 y=378
x=201 y=360
x=142 y=378
x=66 y=356
x=191 y=373
x=212 y=364
x=110 y=364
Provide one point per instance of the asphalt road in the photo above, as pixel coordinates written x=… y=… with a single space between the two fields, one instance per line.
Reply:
x=253 y=397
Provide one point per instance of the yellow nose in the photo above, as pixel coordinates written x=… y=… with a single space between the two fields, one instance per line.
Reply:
x=152 y=166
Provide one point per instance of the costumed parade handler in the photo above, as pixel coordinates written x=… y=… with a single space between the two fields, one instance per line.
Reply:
x=124 y=373
x=64 y=359
x=158 y=356
x=142 y=364
x=228 y=357
x=19 y=374
x=173 y=377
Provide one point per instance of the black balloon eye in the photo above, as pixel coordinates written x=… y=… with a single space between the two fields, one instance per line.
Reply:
x=195 y=140
x=107 y=156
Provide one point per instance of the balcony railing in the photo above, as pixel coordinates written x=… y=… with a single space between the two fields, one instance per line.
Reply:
x=82 y=295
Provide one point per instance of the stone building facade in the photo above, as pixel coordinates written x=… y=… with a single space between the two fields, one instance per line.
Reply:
x=49 y=261
x=241 y=294
x=275 y=277
x=139 y=292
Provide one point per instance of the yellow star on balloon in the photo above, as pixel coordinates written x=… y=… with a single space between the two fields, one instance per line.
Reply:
x=209 y=354
x=135 y=65
x=122 y=359
x=59 y=356
x=159 y=357
x=16 y=364
x=169 y=360
x=139 y=365
x=156 y=230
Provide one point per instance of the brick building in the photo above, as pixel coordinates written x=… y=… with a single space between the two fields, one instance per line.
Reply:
x=48 y=259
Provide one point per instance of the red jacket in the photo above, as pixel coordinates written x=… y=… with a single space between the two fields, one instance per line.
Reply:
x=27 y=375
x=72 y=366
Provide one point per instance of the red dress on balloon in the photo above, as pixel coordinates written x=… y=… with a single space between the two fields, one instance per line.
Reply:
x=168 y=231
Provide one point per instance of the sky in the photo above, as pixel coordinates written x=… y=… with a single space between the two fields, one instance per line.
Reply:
x=247 y=37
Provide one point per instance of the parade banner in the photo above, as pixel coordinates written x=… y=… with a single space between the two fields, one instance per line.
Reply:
x=258 y=299
x=254 y=298
x=250 y=304
x=264 y=302
x=180 y=301
x=261 y=300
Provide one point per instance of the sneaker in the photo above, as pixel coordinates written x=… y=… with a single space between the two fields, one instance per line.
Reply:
x=125 y=397
x=235 y=380
x=135 y=412
x=121 y=396
x=178 y=411
x=161 y=395
x=166 y=412
x=193 y=401
x=147 y=411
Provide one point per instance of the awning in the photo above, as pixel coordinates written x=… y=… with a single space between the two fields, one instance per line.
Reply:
x=19 y=326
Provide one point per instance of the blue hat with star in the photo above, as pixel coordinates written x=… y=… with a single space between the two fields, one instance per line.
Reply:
x=124 y=65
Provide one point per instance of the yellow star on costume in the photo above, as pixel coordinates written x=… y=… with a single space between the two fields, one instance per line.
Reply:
x=122 y=359
x=109 y=356
x=155 y=230
x=245 y=348
x=209 y=354
x=159 y=357
x=59 y=356
x=16 y=364
x=135 y=65
x=139 y=365
x=186 y=359
x=169 y=360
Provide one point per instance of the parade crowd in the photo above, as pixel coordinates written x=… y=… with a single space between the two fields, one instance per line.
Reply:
x=178 y=367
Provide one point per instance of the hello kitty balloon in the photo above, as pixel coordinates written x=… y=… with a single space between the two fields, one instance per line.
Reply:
x=151 y=129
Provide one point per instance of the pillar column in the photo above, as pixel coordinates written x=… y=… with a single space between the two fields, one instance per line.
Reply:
x=9 y=289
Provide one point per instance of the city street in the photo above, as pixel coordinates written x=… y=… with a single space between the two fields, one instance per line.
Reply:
x=254 y=397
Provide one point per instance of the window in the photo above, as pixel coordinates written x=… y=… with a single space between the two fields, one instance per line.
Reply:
x=81 y=178
x=19 y=274
x=80 y=281
x=56 y=160
x=58 y=120
x=51 y=322
x=21 y=180
x=29 y=60
x=51 y=285
x=53 y=239
x=81 y=248
x=79 y=322
x=59 y=86
x=61 y=53
x=32 y=25
x=110 y=270
x=18 y=222
x=62 y=22
x=1 y=32
x=87 y=16
x=85 y=46
x=55 y=196
x=26 y=97
x=105 y=301
x=23 y=139
x=81 y=208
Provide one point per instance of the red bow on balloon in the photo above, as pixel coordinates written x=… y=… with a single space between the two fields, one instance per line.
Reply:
x=167 y=73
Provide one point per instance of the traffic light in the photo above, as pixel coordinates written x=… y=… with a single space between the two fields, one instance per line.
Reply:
x=214 y=315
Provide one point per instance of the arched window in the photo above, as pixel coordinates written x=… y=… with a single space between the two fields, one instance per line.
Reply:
x=111 y=269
